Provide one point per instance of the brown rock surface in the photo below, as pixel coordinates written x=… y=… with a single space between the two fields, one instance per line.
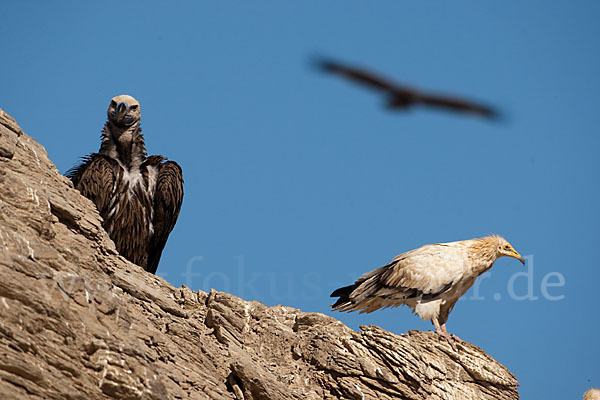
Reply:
x=78 y=321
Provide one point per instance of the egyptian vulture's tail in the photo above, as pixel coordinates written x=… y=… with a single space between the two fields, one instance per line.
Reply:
x=344 y=295
x=363 y=293
x=379 y=289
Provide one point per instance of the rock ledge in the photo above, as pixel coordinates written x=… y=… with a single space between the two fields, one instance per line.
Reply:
x=78 y=321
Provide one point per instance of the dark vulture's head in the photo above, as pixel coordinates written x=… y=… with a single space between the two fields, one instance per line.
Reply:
x=124 y=111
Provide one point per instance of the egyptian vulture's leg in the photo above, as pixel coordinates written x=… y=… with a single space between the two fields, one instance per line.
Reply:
x=453 y=336
x=443 y=333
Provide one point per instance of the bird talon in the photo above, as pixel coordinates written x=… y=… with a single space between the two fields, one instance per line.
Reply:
x=449 y=338
x=456 y=338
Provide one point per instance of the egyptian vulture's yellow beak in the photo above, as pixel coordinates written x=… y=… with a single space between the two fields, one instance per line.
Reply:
x=514 y=254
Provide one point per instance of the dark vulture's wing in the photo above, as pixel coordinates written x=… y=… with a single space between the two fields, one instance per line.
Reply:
x=358 y=75
x=457 y=104
x=168 y=197
x=95 y=178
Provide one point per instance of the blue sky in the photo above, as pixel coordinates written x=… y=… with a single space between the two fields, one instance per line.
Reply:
x=296 y=183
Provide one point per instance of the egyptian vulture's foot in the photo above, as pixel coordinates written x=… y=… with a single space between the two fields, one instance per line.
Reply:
x=456 y=338
x=449 y=339
x=443 y=333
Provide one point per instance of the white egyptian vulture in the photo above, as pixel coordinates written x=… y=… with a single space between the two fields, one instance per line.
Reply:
x=592 y=394
x=429 y=279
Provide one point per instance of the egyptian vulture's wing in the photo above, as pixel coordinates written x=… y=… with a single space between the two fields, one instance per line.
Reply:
x=168 y=197
x=419 y=273
x=358 y=75
x=458 y=104
x=95 y=178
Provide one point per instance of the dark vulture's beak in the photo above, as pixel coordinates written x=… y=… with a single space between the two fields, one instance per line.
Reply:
x=122 y=109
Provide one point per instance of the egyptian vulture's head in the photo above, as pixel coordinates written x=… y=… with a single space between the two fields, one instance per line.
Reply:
x=505 y=249
x=124 y=111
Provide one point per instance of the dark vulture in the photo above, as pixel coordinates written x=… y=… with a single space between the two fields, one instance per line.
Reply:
x=138 y=196
x=401 y=97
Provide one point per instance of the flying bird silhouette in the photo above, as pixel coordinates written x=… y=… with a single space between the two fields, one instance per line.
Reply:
x=402 y=97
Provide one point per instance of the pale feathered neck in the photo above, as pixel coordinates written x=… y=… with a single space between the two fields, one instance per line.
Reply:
x=483 y=252
x=125 y=145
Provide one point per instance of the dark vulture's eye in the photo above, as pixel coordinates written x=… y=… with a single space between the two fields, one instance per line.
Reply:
x=134 y=107
x=112 y=103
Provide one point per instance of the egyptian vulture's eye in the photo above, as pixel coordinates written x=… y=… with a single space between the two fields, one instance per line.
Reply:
x=507 y=247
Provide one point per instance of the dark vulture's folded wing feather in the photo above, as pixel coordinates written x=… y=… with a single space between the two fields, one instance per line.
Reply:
x=95 y=178
x=168 y=197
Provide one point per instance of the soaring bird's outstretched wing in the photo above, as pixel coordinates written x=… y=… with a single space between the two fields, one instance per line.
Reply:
x=424 y=273
x=358 y=75
x=403 y=97
x=457 y=104
x=168 y=196
x=96 y=179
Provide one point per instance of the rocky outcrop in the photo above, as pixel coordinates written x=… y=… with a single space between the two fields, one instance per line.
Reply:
x=78 y=321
